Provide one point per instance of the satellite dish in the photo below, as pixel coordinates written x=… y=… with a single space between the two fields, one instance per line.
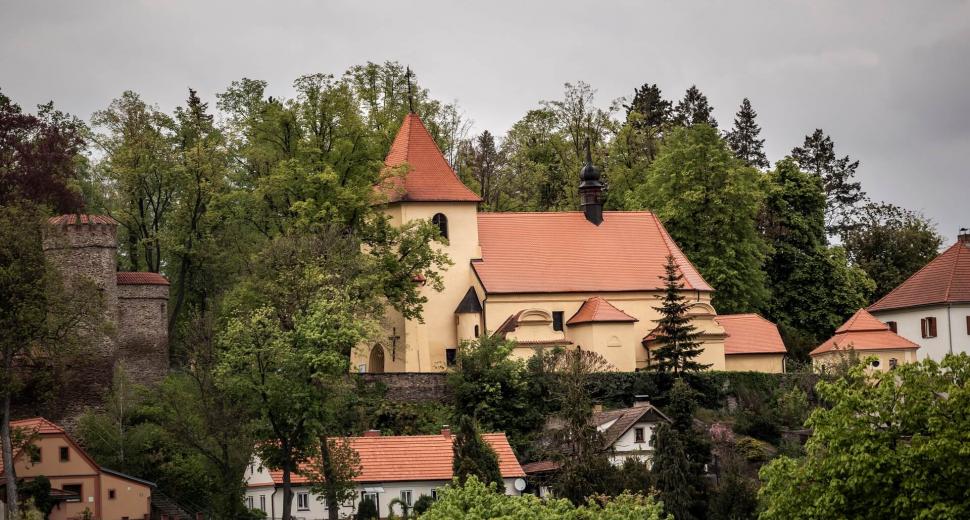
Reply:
x=519 y=484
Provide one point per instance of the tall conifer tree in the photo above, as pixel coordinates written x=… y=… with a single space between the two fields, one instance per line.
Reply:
x=694 y=109
x=842 y=194
x=473 y=456
x=676 y=335
x=743 y=138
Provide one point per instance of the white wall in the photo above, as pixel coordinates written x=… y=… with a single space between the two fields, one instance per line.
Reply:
x=625 y=447
x=950 y=322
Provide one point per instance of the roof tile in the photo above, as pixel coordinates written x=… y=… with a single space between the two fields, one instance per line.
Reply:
x=750 y=334
x=864 y=332
x=597 y=309
x=945 y=279
x=139 y=278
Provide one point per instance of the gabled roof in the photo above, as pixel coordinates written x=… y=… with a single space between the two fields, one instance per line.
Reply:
x=624 y=419
x=36 y=426
x=549 y=252
x=750 y=334
x=597 y=309
x=429 y=177
x=864 y=332
x=946 y=279
x=132 y=278
x=469 y=303
x=414 y=457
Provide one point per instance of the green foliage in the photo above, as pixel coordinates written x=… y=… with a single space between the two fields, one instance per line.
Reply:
x=817 y=157
x=708 y=200
x=677 y=336
x=37 y=494
x=422 y=418
x=735 y=497
x=672 y=473
x=474 y=500
x=793 y=407
x=367 y=510
x=423 y=504
x=473 y=456
x=889 y=445
x=890 y=243
x=743 y=138
x=694 y=109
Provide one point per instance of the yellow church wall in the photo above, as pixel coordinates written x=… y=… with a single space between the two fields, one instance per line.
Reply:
x=822 y=361
x=616 y=342
x=768 y=363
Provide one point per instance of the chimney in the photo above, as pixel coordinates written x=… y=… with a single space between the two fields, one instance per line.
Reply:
x=597 y=408
x=446 y=431
x=639 y=401
x=591 y=190
x=963 y=237
x=372 y=433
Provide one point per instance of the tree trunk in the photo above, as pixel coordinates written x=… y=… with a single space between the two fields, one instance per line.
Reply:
x=8 y=468
x=329 y=480
x=287 y=493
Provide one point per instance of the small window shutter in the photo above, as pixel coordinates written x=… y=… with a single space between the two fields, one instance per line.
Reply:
x=922 y=327
x=968 y=324
x=932 y=327
x=892 y=326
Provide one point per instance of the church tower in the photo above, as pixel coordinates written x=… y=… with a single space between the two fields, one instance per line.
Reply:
x=591 y=190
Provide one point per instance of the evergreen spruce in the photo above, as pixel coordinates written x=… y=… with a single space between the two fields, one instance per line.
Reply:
x=694 y=109
x=842 y=195
x=743 y=138
x=655 y=112
x=676 y=335
x=473 y=456
x=671 y=473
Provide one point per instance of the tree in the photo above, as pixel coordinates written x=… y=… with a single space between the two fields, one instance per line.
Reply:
x=814 y=286
x=475 y=500
x=367 y=510
x=648 y=118
x=332 y=469
x=887 y=444
x=39 y=157
x=577 y=446
x=709 y=200
x=675 y=334
x=671 y=473
x=473 y=456
x=47 y=320
x=743 y=138
x=37 y=492
x=694 y=109
x=481 y=167
x=842 y=194
x=890 y=244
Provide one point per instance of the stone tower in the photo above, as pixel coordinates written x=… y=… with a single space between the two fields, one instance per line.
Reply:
x=135 y=306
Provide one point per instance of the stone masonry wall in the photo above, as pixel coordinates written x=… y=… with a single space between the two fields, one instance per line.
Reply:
x=142 y=335
x=413 y=387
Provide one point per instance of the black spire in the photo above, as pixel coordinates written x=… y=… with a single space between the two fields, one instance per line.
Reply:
x=591 y=189
x=407 y=75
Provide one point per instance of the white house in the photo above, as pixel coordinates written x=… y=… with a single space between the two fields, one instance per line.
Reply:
x=932 y=307
x=627 y=431
x=401 y=467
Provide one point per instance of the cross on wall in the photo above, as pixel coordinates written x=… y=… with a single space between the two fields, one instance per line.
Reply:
x=394 y=337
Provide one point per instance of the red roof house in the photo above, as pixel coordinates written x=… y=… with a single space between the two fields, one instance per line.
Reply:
x=864 y=332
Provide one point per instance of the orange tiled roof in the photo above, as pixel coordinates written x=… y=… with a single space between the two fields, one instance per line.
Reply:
x=36 y=425
x=564 y=252
x=415 y=457
x=750 y=334
x=864 y=332
x=139 y=278
x=71 y=219
x=597 y=309
x=946 y=279
x=429 y=178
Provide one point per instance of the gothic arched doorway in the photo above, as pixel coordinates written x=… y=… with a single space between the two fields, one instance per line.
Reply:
x=375 y=364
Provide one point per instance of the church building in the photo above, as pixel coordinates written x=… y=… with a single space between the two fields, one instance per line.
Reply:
x=585 y=279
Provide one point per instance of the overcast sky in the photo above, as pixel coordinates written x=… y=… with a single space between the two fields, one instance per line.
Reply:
x=889 y=81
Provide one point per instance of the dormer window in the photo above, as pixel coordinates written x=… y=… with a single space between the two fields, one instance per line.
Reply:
x=441 y=222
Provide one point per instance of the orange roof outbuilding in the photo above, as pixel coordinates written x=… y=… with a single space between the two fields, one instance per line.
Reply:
x=864 y=332
x=597 y=309
x=140 y=278
x=415 y=457
x=946 y=279
x=563 y=252
x=429 y=177
x=750 y=334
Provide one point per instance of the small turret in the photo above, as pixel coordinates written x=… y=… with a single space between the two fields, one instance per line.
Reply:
x=591 y=190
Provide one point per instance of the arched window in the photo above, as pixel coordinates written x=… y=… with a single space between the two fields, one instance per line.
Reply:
x=440 y=220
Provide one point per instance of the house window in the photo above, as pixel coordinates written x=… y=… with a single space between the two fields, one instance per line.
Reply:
x=111 y=494
x=451 y=356
x=65 y=454
x=892 y=326
x=73 y=488
x=476 y=331
x=434 y=493
x=928 y=327
x=303 y=501
x=638 y=436
x=557 y=320
x=406 y=497
x=441 y=222
x=249 y=502
x=262 y=503
x=367 y=495
x=874 y=363
x=35 y=456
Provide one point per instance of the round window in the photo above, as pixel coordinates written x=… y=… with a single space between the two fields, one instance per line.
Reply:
x=874 y=363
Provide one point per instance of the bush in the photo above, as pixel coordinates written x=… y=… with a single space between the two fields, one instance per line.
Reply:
x=367 y=510
x=423 y=503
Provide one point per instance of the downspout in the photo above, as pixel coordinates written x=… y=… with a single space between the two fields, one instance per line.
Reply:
x=949 y=326
x=272 y=502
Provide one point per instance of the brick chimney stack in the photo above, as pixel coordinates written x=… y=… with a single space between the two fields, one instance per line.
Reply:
x=446 y=431
x=963 y=236
x=372 y=433
x=639 y=401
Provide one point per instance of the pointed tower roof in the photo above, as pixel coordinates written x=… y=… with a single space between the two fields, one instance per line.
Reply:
x=863 y=331
x=598 y=310
x=429 y=178
x=946 y=279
